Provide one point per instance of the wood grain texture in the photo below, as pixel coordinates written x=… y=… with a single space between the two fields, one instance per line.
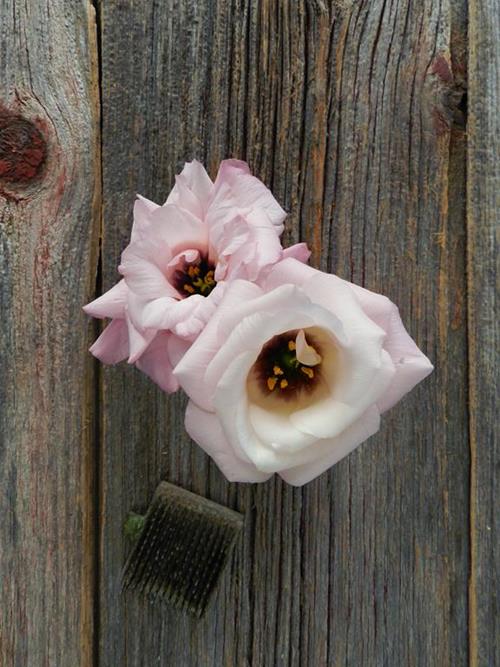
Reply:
x=350 y=112
x=49 y=192
x=483 y=199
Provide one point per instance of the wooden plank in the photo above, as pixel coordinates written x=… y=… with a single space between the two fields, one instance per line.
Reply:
x=346 y=110
x=49 y=211
x=483 y=200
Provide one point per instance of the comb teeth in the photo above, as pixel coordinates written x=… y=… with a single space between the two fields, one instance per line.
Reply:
x=182 y=549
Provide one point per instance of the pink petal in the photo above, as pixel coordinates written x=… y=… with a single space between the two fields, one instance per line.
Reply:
x=141 y=271
x=155 y=362
x=186 y=199
x=112 y=345
x=205 y=429
x=142 y=218
x=235 y=183
x=188 y=256
x=288 y=271
x=193 y=189
x=110 y=304
x=138 y=340
x=411 y=365
x=205 y=308
x=190 y=371
x=145 y=263
x=177 y=348
x=331 y=417
x=178 y=229
x=166 y=313
x=338 y=447
x=299 y=251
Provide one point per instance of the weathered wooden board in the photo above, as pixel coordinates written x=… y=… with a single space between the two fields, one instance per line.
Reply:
x=351 y=112
x=483 y=217
x=49 y=198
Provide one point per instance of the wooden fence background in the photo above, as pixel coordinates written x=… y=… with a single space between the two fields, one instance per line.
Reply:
x=355 y=113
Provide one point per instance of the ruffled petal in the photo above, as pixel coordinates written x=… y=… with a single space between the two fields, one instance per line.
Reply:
x=330 y=417
x=288 y=271
x=155 y=362
x=193 y=189
x=138 y=340
x=177 y=348
x=231 y=406
x=143 y=275
x=277 y=430
x=205 y=429
x=235 y=183
x=165 y=313
x=142 y=217
x=335 y=449
x=185 y=317
x=411 y=365
x=178 y=229
x=110 y=304
x=112 y=345
x=299 y=251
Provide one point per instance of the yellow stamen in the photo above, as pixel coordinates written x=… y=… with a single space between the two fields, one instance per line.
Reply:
x=291 y=345
x=307 y=371
x=188 y=288
x=283 y=384
x=277 y=370
x=271 y=383
x=193 y=271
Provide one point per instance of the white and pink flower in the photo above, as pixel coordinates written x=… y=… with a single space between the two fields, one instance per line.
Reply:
x=290 y=377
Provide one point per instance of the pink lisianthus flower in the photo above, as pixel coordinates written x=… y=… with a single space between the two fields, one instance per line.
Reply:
x=206 y=234
x=179 y=261
x=291 y=376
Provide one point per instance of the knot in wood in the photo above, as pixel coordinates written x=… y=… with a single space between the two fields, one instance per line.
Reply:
x=23 y=149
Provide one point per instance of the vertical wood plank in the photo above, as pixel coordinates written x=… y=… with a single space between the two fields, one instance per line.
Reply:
x=346 y=110
x=483 y=199
x=49 y=206
x=399 y=522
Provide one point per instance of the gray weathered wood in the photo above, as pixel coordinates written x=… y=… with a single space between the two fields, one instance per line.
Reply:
x=49 y=193
x=483 y=199
x=348 y=110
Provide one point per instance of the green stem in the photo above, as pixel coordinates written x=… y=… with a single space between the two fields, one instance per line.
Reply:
x=133 y=525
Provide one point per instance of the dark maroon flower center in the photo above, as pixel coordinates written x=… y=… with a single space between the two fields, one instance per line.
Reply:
x=278 y=371
x=195 y=278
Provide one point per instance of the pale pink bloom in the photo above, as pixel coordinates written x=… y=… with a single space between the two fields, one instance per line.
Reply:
x=291 y=377
x=183 y=254
x=180 y=258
